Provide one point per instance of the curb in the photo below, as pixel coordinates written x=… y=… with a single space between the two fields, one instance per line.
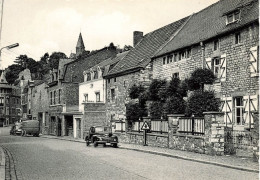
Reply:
x=173 y=156
x=2 y=163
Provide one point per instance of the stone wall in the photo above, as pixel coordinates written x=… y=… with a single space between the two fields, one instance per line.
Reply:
x=116 y=110
x=155 y=140
x=237 y=56
x=94 y=115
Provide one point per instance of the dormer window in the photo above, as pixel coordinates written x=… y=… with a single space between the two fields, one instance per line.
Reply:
x=88 y=77
x=95 y=74
x=233 y=17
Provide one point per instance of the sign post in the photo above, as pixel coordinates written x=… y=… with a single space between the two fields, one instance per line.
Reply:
x=145 y=128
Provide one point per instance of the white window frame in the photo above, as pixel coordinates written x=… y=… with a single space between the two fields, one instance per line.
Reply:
x=216 y=66
x=240 y=108
x=233 y=17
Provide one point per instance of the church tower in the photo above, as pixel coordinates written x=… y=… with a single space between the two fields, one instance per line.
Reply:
x=80 y=48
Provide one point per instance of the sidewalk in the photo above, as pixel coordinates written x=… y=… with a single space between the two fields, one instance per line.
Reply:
x=234 y=162
x=2 y=163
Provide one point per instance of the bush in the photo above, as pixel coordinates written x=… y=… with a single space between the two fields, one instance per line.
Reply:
x=134 y=111
x=156 y=109
x=199 y=77
x=154 y=89
x=175 y=105
x=135 y=91
x=201 y=101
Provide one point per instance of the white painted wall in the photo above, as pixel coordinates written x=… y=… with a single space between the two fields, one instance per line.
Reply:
x=90 y=88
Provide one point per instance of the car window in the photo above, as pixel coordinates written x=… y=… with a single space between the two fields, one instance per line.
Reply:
x=99 y=129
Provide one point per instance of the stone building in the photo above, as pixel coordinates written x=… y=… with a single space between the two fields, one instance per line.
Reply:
x=40 y=104
x=64 y=115
x=135 y=68
x=224 y=38
x=9 y=102
x=92 y=93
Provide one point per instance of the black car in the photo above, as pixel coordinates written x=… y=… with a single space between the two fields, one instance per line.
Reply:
x=101 y=135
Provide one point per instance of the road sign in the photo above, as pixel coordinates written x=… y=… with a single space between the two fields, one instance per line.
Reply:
x=145 y=126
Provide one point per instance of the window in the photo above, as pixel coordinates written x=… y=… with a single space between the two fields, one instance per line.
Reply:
x=97 y=96
x=175 y=58
x=216 y=67
x=233 y=17
x=188 y=53
x=59 y=96
x=237 y=38
x=175 y=75
x=51 y=97
x=88 y=77
x=183 y=55
x=95 y=74
x=1 y=101
x=7 y=111
x=108 y=81
x=85 y=97
x=114 y=79
x=164 y=60
x=216 y=45
x=239 y=110
x=54 y=97
x=169 y=59
x=113 y=95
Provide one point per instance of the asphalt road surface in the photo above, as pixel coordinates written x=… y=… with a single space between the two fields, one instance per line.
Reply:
x=40 y=158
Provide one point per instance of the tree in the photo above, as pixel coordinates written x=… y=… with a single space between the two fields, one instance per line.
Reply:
x=12 y=73
x=201 y=101
x=55 y=58
x=199 y=78
x=156 y=89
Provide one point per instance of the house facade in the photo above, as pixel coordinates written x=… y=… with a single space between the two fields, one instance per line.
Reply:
x=92 y=93
x=134 y=68
x=40 y=104
x=226 y=42
x=64 y=115
x=9 y=102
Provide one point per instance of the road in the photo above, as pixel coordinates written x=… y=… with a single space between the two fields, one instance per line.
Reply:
x=40 y=158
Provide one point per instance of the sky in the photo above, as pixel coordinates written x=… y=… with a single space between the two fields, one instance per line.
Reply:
x=41 y=26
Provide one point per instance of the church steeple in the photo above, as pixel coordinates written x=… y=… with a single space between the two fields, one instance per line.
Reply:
x=80 y=48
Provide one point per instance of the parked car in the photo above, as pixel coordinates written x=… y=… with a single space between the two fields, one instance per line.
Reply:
x=30 y=127
x=101 y=135
x=16 y=129
x=12 y=130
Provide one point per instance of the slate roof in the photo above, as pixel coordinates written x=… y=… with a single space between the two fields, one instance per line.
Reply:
x=141 y=54
x=211 y=22
x=76 y=67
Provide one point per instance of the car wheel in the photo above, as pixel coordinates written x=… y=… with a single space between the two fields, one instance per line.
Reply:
x=95 y=144
x=87 y=143
x=115 y=145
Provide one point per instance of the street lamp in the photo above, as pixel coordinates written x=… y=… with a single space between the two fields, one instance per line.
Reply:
x=8 y=47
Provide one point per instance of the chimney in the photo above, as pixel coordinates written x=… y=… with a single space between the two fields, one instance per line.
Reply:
x=138 y=36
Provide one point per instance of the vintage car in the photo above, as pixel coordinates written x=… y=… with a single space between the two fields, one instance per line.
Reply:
x=16 y=129
x=30 y=127
x=101 y=135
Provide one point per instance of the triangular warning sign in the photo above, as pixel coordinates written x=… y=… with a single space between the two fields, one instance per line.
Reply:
x=145 y=126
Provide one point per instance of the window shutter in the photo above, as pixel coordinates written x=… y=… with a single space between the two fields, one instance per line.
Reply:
x=254 y=61
x=226 y=107
x=246 y=110
x=223 y=69
x=250 y=105
x=208 y=63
